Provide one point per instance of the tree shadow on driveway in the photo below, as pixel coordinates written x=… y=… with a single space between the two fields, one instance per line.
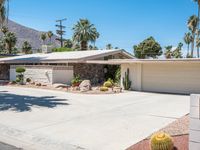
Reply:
x=21 y=103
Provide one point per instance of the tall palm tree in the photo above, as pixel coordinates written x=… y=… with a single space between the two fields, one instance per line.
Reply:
x=188 y=39
x=109 y=46
x=43 y=37
x=192 y=25
x=198 y=2
x=10 y=41
x=2 y=11
x=168 y=52
x=50 y=34
x=26 y=47
x=198 y=45
x=84 y=32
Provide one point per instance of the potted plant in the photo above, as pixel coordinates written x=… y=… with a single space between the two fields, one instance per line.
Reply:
x=76 y=81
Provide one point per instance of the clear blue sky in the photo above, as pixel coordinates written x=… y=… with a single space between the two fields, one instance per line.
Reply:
x=123 y=23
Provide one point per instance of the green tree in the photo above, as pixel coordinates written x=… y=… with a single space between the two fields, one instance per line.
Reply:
x=68 y=43
x=4 y=30
x=177 y=52
x=148 y=48
x=192 y=25
x=84 y=32
x=26 y=47
x=10 y=41
x=49 y=35
x=109 y=46
x=2 y=11
x=188 y=39
x=43 y=37
x=168 y=52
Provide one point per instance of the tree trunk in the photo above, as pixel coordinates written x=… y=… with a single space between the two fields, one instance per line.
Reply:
x=188 y=50
x=193 y=43
x=84 y=45
x=198 y=52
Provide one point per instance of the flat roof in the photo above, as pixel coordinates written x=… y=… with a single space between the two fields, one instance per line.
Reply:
x=65 y=57
x=142 y=61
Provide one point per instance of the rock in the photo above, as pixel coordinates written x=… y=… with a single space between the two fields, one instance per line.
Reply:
x=59 y=85
x=85 y=86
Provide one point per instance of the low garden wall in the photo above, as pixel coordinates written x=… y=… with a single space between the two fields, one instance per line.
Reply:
x=194 y=123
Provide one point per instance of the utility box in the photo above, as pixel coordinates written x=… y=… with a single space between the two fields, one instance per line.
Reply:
x=194 y=131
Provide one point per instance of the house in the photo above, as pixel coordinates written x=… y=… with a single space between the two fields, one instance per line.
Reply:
x=60 y=67
x=180 y=76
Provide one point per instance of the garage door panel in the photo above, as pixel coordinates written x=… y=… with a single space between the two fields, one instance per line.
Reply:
x=171 y=78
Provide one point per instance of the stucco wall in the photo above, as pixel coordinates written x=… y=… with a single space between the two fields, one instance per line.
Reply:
x=45 y=74
x=194 y=130
x=181 y=78
x=134 y=75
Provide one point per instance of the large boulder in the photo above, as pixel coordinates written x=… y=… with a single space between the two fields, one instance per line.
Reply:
x=85 y=86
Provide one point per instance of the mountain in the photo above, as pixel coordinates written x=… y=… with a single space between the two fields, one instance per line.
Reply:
x=24 y=33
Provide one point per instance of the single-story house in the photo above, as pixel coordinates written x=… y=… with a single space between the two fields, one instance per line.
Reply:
x=60 y=67
x=161 y=75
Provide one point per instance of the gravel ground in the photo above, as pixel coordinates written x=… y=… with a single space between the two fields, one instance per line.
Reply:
x=179 y=130
x=4 y=146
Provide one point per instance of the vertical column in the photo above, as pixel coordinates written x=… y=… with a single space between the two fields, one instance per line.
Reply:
x=194 y=131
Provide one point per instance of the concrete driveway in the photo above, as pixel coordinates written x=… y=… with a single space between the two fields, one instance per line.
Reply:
x=36 y=119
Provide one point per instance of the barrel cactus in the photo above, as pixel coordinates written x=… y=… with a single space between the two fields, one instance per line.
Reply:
x=161 y=141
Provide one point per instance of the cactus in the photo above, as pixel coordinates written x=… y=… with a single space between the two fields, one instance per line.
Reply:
x=126 y=81
x=161 y=141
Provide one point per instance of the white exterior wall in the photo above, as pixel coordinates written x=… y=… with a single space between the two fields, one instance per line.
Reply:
x=135 y=71
x=194 y=129
x=182 y=78
x=63 y=75
x=45 y=74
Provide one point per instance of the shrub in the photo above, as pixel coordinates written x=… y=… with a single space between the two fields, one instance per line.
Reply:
x=62 y=49
x=28 y=80
x=20 y=70
x=161 y=141
x=107 y=84
x=76 y=81
x=103 y=89
x=20 y=75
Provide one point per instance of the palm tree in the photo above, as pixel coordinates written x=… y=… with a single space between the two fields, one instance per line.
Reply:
x=4 y=30
x=198 y=45
x=84 y=32
x=109 y=46
x=168 y=52
x=50 y=34
x=10 y=41
x=192 y=25
x=26 y=47
x=2 y=11
x=68 y=43
x=188 y=39
x=43 y=37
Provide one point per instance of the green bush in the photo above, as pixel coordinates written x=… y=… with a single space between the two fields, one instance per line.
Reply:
x=20 y=70
x=103 y=89
x=62 y=49
x=76 y=80
x=107 y=84
x=28 y=80
x=20 y=75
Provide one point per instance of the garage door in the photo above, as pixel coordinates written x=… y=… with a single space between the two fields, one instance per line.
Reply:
x=171 y=78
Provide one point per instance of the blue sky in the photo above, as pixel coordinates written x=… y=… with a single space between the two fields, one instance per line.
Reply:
x=123 y=23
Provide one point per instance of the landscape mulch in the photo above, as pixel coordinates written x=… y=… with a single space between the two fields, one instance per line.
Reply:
x=179 y=130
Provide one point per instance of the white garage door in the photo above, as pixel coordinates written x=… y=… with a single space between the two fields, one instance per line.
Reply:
x=171 y=78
